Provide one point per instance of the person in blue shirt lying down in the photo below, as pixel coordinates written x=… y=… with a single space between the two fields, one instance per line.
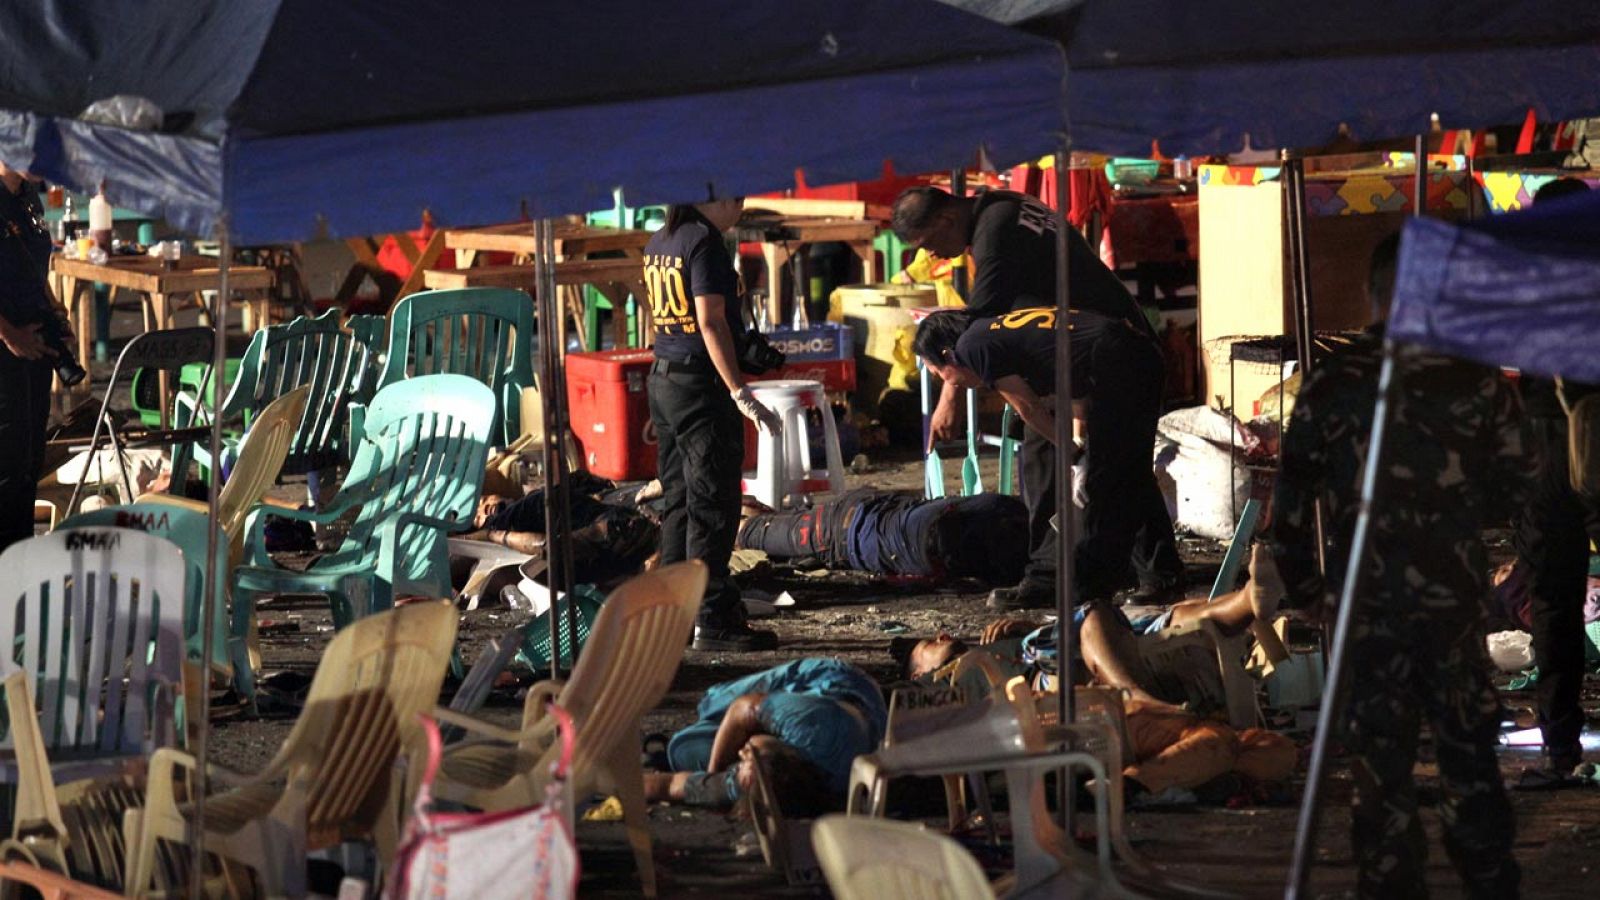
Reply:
x=806 y=721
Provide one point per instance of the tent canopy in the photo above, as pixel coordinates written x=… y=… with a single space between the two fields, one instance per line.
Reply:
x=1514 y=290
x=1198 y=77
x=300 y=114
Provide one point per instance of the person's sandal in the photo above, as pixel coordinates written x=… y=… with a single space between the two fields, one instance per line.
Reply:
x=653 y=752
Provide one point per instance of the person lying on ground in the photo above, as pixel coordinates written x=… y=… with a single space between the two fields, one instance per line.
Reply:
x=1107 y=642
x=805 y=721
x=899 y=533
x=1174 y=749
x=609 y=541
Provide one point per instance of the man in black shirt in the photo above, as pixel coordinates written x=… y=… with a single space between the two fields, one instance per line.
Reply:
x=1013 y=242
x=697 y=394
x=1117 y=371
x=25 y=368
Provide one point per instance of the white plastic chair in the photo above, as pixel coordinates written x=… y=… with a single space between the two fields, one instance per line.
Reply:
x=784 y=470
x=1004 y=734
x=96 y=618
x=1197 y=661
x=872 y=859
x=624 y=670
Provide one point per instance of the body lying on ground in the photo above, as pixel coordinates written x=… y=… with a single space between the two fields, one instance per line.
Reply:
x=899 y=533
x=806 y=720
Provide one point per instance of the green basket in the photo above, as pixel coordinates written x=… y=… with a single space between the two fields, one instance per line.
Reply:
x=535 y=650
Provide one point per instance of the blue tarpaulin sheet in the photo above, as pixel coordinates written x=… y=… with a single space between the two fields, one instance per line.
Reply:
x=1199 y=76
x=299 y=117
x=1520 y=290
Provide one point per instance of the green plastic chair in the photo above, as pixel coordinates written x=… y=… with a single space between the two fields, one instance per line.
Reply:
x=416 y=476
x=484 y=333
x=318 y=353
x=645 y=218
x=894 y=253
x=187 y=529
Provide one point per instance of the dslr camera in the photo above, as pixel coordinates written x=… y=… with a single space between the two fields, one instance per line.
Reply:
x=758 y=356
x=66 y=364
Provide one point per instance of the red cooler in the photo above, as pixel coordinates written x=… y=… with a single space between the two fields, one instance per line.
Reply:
x=610 y=413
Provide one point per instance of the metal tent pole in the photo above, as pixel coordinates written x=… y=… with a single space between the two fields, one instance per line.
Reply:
x=557 y=487
x=1066 y=538
x=549 y=337
x=201 y=718
x=557 y=404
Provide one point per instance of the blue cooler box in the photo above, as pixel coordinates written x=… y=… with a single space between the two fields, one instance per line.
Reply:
x=826 y=342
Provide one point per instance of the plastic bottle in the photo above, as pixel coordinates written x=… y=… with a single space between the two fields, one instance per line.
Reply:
x=100 y=220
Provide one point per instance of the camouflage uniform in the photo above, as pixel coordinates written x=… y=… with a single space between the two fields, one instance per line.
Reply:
x=1453 y=457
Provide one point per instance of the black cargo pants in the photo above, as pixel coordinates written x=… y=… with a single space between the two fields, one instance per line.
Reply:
x=700 y=454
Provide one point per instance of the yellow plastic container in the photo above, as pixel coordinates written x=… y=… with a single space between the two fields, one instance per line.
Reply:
x=880 y=316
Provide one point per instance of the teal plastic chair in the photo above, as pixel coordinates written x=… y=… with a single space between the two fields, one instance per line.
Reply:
x=484 y=333
x=319 y=353
x=187 y=529
x=417 y=472
x=644 y=218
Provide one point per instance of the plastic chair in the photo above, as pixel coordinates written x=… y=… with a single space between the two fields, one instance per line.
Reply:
x=1003 y=733
x=625 y=669
x=416 y=477
x=261 y=458
x=50 y=885
x=334 y=778
x=483 y=333
x=168 y=351
x=95 y=619
x=784 y=470
x=318 y=354
x=873 y=859
x=1196 y=661
x=186 y=528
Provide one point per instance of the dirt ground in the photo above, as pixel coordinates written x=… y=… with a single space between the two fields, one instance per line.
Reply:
x=845 y=615
x=1242 y=851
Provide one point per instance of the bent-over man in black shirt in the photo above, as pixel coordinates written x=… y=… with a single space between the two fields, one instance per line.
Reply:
x=1117 y=370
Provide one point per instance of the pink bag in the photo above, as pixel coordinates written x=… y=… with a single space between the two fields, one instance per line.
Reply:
x=462 y=856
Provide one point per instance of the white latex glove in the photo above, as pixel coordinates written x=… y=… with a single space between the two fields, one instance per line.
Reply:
x=755 y=410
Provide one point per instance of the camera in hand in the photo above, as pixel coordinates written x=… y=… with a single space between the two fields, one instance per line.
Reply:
x=66 y=365
x=758 y=357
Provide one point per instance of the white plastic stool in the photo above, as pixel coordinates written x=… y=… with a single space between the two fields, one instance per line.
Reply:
x=783 y=461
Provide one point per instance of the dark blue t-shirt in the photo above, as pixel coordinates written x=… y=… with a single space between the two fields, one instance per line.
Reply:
x=1023 y=343
x=24 y=257
x=689 y=262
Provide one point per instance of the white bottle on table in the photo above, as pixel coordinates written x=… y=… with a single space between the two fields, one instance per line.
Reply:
x=100 y=220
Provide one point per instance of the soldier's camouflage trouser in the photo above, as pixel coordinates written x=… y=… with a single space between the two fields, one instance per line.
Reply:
x=1407 y=668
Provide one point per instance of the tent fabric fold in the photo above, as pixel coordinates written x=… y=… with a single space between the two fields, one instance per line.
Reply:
x=1199 y=77
x=1520 y=290
x=304 y=117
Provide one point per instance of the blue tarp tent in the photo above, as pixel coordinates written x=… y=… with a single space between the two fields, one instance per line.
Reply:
x=355 y=114
x=1200 y=76
x=1519 y=290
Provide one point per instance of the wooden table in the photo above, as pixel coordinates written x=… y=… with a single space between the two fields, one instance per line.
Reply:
x=575 y=243
x=615 y=278
x=781 y=237
x=73 y=282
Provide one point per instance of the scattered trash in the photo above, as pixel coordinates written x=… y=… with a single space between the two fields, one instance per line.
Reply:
x=1511 y=651
x=783 y=599
x=892 y=627
x=747 y=844
x=860 y=464
x=608 y=811
x=756 y=608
